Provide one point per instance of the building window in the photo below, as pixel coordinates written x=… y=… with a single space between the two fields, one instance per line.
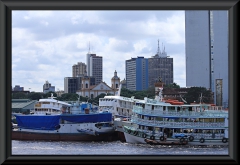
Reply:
x=86 y=86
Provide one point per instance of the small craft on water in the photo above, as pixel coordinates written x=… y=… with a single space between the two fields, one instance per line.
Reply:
x=75 y=122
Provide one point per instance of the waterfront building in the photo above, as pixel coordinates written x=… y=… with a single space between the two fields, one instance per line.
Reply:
x=23 y=105
x=160 y=66
x=94 y=66
x=47 y=87
x=79 y=69
x=115 y=81
x=137 y=73
x=73 y=84
x=18 y=88
x=123 y=83
x=92 y=91
x=206 y=42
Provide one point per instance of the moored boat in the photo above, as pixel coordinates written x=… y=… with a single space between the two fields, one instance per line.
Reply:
x=49 y=106
x=163 y=122
x=74 y=123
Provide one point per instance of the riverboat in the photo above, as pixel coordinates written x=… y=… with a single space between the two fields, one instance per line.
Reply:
x=76 y=122
x=49 y=106
x=161 y=122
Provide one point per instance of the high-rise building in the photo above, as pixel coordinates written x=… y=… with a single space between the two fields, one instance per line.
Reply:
x=73 y=84
x=79 y=69
x=206 y=41
x=137 y=73
x=160 y=66
x=48 y=88
x=18 y=88
x=94 y=67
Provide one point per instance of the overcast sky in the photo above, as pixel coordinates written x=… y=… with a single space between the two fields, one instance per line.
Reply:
x=46 y=44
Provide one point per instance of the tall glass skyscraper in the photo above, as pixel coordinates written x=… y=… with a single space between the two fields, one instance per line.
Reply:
x=137 y=74
x=206 y=43
x=94 y=67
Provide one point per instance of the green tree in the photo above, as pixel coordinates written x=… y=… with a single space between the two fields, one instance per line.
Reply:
x=49 y=94
x=150 y=93
x=197 y=95
x=69 y=97
x=173 y=85
x=19 y=95
x=35 y=95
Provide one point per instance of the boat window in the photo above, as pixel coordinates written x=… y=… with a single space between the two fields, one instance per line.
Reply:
x=178 y=108
x=45 y=102
x=164 y=108
x=190 y=109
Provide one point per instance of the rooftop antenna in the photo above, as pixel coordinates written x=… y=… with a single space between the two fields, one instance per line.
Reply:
x=162 y=47
x=89 y=48
x=183 y=99
x=78 y=98
x=201 y=99
x=158 y=52
x=160 y=93
x=51 y=96
x=119 y=90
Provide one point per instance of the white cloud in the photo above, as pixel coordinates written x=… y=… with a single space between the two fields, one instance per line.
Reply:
x=45 y=44
x=40 y=13
x=45 y=23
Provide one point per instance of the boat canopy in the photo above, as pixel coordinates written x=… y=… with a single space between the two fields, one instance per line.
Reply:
x=88 y=118
x=51 y=122
x=42 y=122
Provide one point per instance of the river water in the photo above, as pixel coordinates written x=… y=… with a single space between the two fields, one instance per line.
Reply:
x=109 y=148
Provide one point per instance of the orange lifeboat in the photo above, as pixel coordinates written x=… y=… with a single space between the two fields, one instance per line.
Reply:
x=177 y=103
x=170 y=101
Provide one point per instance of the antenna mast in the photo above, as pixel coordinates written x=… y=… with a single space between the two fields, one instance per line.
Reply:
x=89 y=48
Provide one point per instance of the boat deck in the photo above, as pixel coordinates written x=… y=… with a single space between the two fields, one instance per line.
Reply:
x=165 y=142
x=186 y=142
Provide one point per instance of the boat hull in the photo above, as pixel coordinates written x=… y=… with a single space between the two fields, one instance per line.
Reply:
x=133 y=139
x=23 y=135
x=130 y=138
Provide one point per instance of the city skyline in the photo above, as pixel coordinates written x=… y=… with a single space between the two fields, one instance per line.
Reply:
x=46 y=44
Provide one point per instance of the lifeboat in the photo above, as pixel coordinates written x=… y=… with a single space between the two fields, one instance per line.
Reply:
x=170 y=101
x=177 y=103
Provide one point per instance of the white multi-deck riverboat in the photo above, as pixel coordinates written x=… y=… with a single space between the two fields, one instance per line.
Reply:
x=49 y=106
x=161 y=122
x=158 y=121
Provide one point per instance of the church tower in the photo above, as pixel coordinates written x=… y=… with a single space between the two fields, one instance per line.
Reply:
x=115 y=81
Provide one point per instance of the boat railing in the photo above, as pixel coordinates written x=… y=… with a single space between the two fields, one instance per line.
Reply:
x=217 y=113
x=178 y=124
x=206 y=135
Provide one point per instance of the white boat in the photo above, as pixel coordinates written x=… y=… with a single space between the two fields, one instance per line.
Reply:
x=158 y=122
x=49 y=106
x=121 y=109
